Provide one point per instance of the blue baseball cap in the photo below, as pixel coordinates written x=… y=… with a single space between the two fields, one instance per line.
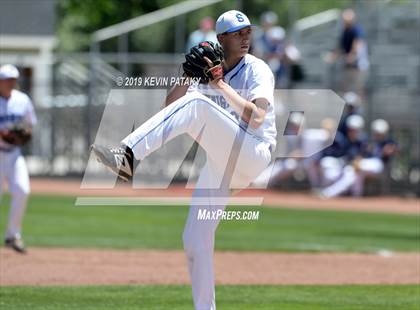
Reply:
x=231 y=21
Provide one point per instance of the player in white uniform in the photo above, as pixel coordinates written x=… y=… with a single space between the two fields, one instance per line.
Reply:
x=233 y=120
x=15 y=108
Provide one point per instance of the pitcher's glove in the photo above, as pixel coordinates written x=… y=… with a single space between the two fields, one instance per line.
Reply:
x=204 y=61
x=17 y=135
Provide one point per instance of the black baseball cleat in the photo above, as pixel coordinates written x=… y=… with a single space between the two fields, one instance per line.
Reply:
x=120 y=160
x=16 y=244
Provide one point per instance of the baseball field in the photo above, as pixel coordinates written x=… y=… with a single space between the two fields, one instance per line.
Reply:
x=312 y=103
x=292 y=257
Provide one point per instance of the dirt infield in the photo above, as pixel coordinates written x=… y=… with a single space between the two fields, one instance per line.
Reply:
x=73 y=266
x=270 y=198
x=45 y=266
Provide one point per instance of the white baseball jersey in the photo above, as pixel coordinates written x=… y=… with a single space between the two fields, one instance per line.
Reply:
x=252 y=79
x=13 y=110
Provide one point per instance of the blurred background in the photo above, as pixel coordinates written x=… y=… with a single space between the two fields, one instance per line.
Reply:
x=69 y=53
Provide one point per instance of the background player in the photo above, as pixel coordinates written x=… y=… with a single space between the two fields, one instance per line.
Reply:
x=352 y=107
x=17 y=117
x=373 y=163
x=236 y=128
x=345 y=149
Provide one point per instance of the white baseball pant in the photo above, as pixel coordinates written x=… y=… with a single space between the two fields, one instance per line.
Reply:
x=331 y=169
x=234 y=159
x=354 y=180
x=13 y=170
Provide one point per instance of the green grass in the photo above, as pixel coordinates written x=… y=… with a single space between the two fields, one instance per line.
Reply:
x=402 y=297
x=55 y=221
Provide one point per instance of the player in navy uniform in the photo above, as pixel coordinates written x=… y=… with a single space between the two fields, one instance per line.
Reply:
x=344 y=150
x=370 y=163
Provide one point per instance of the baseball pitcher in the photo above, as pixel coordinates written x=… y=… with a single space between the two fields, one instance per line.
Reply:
x=17 y=117
x=230 y=113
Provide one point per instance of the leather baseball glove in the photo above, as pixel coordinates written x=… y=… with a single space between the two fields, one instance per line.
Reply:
x=204 y=61
x=18 y=134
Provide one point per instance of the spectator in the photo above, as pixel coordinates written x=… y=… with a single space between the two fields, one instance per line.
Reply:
x=352 y=55
x=282 y=57
x=261 y=44
x=292 y=63
x=205 y=33
x=274 y=53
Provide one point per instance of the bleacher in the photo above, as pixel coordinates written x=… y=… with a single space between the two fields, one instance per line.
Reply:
x=392 y=33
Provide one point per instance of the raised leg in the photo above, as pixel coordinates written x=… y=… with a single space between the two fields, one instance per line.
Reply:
x=211 y=126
